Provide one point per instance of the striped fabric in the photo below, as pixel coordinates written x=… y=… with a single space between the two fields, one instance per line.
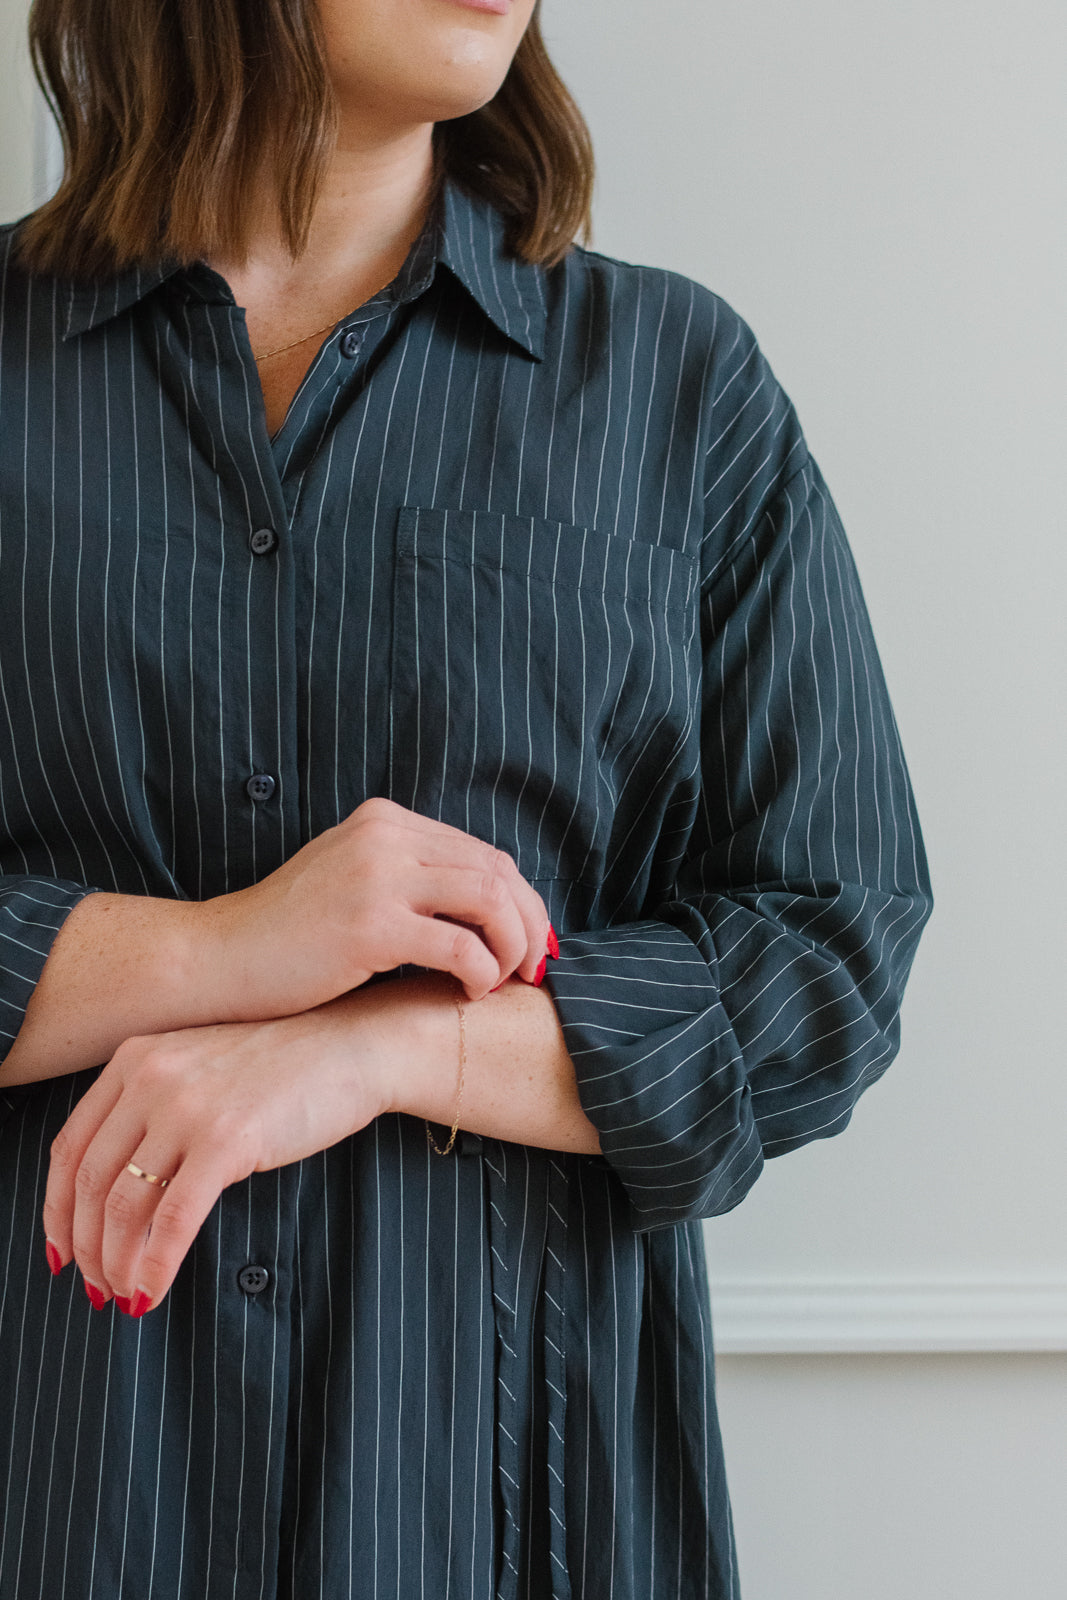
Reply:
x=551 y=562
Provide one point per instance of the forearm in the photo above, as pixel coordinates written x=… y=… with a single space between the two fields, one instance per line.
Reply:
x=383 y=889
x=127 y=966
x=121 y=966
x=519 y=1081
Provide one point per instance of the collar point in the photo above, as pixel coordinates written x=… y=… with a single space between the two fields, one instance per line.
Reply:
x=508 y=289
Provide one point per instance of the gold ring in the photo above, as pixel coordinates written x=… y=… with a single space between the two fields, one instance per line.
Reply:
x=149 y=1177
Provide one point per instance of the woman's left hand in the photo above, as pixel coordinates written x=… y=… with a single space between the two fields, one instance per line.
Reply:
x=202 y=1108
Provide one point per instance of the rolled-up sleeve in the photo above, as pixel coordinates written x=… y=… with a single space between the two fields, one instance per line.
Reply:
x=753 y=1007
x=32 y=911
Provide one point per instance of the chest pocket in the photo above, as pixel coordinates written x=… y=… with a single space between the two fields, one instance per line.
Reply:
x=542 y=687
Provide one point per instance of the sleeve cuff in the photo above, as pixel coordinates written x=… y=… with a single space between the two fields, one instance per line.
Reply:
x=659 y=1071
x=32 y=911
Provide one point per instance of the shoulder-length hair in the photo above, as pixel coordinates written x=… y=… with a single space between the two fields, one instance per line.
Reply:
x=167 y=109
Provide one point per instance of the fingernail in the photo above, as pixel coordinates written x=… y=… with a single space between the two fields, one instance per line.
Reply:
x=553 y=943
x=123 y=1304
x=55 y=1260
x=539 y=975
x=96 y=1295
x=140 y=1303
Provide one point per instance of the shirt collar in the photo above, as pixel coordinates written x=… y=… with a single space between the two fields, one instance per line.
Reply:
x=469 y=236
x=101 y=299
x=510 y=291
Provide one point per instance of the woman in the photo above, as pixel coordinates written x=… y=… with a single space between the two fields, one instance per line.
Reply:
x=384 y=583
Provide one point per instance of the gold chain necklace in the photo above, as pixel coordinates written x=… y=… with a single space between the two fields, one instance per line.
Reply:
x=282 y=348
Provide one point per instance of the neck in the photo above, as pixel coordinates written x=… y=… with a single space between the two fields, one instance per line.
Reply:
x=370 y=209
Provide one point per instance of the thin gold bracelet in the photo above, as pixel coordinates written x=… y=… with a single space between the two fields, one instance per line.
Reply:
x=430 y=1140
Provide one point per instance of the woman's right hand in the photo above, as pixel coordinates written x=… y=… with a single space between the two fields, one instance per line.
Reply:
x=384 y=888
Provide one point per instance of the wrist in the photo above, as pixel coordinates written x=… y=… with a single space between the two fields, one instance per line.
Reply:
x=207 y=955
x=422 y=1066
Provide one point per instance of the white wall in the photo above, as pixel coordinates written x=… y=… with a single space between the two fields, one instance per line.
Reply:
x=879 y=189
x=19 y=115
x=897 y=1478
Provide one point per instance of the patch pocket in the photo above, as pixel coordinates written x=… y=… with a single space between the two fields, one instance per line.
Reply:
x=541 y=681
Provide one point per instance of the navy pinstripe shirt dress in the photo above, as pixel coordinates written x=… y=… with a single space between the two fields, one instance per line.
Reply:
x=541 y=553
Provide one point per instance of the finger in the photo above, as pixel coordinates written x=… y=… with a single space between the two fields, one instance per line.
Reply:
x=538 y=931
x=482 y=901
x=380 y=812
x=495 y=873
x=438 y=845
x=68 y=1148
x=424 y=840
x=445 y=946
x=129 y=1214
x=531 y=911
x=510 y=913
x=102 y=1162
x=182 y=1210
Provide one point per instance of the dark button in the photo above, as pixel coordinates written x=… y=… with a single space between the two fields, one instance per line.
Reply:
x=260 y=786
x=253 y=1280
x=351 y=343
x=263 y=541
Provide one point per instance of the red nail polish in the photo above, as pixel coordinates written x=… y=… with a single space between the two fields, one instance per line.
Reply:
x=539 y=975
x=553 y=943
x=140 y=1303
x=123 y=1304
x=55 y=1260
x=96 y=1296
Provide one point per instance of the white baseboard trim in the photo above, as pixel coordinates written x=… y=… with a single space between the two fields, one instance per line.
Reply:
x=821 y=1315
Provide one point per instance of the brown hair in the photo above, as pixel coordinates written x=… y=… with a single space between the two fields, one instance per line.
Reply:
x=167 y=107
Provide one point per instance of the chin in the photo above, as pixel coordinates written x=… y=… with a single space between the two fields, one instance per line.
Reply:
x=445 y=76
x=447 y=100
x=462 y=105
x=467 y=78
